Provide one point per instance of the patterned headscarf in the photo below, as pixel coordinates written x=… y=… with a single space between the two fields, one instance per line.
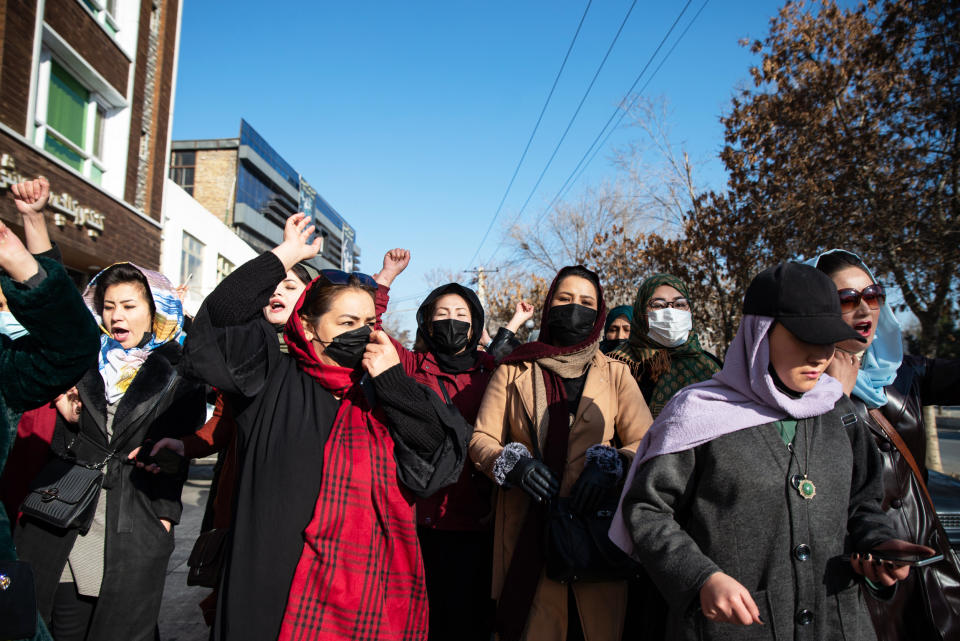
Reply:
x=670 y=368
x=119 y=366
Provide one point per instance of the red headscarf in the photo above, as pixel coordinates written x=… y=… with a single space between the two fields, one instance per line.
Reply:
x=335 y=379
x=363 y=530
x=541 y=348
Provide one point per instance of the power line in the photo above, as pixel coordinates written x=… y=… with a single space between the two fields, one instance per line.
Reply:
x=616 y=111
x=532 y=133
x=565 y=188
x=572 y=119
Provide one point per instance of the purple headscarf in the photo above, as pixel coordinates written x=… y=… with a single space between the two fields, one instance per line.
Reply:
x=739 y=396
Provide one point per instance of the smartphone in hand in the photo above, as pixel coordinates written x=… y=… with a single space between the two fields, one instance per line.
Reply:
x=905 y=558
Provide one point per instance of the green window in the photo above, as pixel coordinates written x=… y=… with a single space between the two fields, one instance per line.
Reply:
x=67 y=106
x=63 y=152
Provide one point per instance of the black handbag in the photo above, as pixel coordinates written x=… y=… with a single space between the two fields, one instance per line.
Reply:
x=578 y=548
x=18 y=600
x=206 y=558
x=64 y=494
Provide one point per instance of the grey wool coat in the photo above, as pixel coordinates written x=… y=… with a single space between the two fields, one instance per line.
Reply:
x=728 y=505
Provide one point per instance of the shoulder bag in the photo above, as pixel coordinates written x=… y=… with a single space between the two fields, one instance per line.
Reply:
x=64 y=494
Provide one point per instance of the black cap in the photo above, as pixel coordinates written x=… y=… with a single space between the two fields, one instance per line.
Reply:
x=803 y=299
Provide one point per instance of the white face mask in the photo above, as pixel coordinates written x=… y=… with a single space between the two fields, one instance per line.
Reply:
x=669 y=327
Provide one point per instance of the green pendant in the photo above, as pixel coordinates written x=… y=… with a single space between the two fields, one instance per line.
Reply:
x=807 y=489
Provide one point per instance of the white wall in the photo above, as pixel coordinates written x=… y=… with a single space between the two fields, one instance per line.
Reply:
x=182 y=213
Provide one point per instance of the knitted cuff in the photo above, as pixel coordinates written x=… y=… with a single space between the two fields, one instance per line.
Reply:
x=508 y=458
x=605 y=458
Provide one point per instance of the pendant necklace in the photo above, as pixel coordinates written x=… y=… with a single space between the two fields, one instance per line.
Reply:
x=803 y=485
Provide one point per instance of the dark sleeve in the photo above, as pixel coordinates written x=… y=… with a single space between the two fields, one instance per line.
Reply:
x=867 y=524
x=430 y=437
x=380 y=300
x=63 y=342
x=231 y=346
x=412 y=417
x=662 y=487
x=183 y=417
x=53 y=253
x=939 y=379
x=502 y=344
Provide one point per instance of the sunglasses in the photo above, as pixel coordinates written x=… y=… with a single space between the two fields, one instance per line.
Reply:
x=874 y=296
x=337 y=277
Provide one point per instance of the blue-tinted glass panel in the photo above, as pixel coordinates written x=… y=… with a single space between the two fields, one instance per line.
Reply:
x=256 y=195
x=249 y=137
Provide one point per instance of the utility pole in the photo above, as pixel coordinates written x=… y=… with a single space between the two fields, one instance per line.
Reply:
x=481 y=275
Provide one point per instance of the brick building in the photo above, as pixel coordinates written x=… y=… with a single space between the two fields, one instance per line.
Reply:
x=86 y=95
x=251 y=188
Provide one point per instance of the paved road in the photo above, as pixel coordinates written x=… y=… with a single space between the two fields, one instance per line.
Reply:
x=950 y=451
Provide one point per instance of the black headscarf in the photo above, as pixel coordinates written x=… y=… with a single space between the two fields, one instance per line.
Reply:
x=467 y=359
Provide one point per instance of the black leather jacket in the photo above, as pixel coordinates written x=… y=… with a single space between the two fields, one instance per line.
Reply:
x=926 y=605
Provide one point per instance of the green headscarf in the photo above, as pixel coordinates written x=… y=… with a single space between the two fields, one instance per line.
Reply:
x=669 y=368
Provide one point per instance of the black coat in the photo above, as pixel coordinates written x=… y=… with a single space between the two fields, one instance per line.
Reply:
x=159 y=403
x=284 y=417
x=926 y=605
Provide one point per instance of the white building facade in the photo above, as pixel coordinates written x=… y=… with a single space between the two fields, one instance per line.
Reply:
x=197 y=247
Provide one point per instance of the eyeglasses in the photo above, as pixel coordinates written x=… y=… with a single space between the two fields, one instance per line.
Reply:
x=337 y=277
x=676 y=303
x=874 y=296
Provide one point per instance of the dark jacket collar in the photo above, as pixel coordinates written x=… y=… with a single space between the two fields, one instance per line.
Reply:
x=146 y=391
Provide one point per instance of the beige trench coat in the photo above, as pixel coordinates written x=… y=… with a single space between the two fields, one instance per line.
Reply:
x=611 y=403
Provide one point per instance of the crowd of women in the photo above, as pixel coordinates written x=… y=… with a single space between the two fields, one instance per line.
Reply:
x=610 y=480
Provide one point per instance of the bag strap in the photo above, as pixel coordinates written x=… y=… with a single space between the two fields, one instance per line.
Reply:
x=897 y=440
x=443 y=390
x=72 y=457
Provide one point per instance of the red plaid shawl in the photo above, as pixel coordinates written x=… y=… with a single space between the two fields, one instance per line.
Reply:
x=360 y=574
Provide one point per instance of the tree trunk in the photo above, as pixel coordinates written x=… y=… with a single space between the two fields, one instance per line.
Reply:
x=933 y=440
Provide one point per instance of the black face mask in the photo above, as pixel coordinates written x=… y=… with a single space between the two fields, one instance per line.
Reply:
x=570 y=324
x=346 y=349
x=449 y=335
x=607 y=345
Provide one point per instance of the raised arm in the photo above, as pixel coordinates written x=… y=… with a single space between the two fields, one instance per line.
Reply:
x=64 y=338
x=506 y=339
x=30 y=198
x=394 y=262
x=231 y=346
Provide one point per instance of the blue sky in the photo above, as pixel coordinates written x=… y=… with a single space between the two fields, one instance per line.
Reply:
x=409 y=118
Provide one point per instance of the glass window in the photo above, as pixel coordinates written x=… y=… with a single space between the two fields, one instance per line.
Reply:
x=73 y=129
x=224 y=268
x=98 y=119
x=182 y=167
x=63 y=152
x=104 y=12
x=191 y=262
x=67 y=105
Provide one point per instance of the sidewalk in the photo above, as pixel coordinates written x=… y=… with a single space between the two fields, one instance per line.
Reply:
x=180 y=618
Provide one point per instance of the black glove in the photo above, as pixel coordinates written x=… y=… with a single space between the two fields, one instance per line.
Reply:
x=591 y=488
x=535 y=478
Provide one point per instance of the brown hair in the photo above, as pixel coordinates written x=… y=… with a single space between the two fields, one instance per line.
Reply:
x=319 y=299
